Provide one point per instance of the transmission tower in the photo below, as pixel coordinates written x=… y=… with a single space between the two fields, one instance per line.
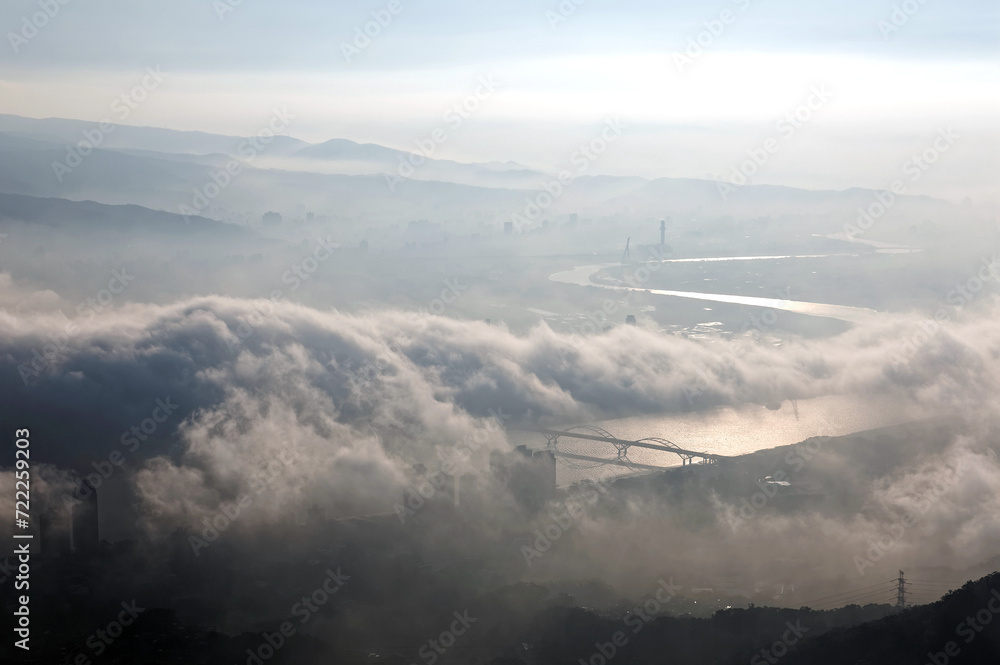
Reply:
x=901 y=591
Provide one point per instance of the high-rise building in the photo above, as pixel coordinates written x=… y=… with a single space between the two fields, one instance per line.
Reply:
x=531 y=477
x=315 y=516
x=544 y=463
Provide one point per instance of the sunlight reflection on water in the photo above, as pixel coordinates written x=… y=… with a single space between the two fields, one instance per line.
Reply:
x=725 y=431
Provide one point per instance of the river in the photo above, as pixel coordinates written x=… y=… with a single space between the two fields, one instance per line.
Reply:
x=733 y=430
x=582 y=276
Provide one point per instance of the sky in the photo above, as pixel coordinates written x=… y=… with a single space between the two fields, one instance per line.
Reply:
x=897 y=72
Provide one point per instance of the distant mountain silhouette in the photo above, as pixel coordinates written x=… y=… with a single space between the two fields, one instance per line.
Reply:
x=64 y=131
x=165 y=169
x=89 y=216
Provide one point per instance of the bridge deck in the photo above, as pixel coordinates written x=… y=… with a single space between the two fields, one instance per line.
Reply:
x=622 y=442
x=616 y=462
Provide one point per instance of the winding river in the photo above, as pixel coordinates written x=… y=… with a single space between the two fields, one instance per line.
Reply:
x=582 y=276
x=740 y=429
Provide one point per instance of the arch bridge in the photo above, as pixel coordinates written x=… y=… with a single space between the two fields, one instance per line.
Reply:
x=621 y=446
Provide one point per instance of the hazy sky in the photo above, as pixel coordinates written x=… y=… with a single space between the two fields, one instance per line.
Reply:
x=896 y=80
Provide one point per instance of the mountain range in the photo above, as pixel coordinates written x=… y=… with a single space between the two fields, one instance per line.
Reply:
x=184 y=172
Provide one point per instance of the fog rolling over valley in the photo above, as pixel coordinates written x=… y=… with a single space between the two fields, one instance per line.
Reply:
x=534 y=334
